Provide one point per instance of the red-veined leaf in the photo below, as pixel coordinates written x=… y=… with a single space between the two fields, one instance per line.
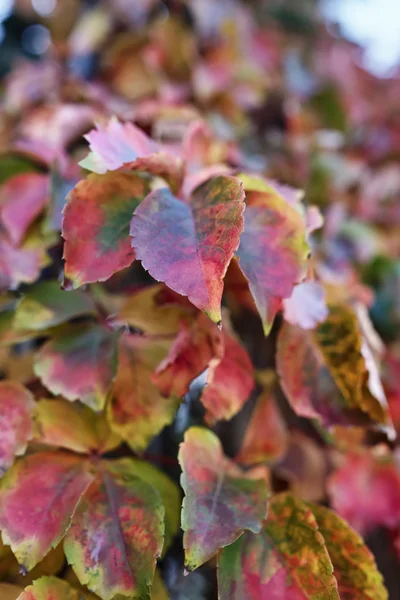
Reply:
x=273 y=249
x=38 y=497
x=49 y=588
x=96 y=226
x=220 y=502
x=137 y=411
x=117 y=534
x=22 y=199
x=354 y=564
x=86 y=431
x=16 y=414
x=195 y=348
x=288 y=560
x=47 y=305
x=266 y=435
x=229 y=383
x=189 y=245
x=80 y=364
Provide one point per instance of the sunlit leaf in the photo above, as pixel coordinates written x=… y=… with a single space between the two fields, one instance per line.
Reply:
x=96 y=226
x=80 y=364
x=116 y=535
x=38 y=497
x=288 y=560
x=16 y=412
x=220 y=502
x=49 y=588
x=273 y=248
x=189 y=245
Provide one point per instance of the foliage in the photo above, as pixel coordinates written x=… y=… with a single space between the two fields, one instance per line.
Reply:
x=199 y=219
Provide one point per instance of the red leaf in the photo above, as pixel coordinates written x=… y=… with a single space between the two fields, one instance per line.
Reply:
x=193 y=351
x=117 y=534
x=96 y=226
x=38 y=497
x=189 y=245
x=273 y=248
x=22 y=199
x=229 y=384
x=220 y=500
x=16 y=412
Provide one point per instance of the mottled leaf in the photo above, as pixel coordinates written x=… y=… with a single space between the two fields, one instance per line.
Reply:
x=220 y=502
x=365 y=490
x=38 y=497
x=288 y=560
x=137 y=411
x=195 y=348
x=96 y=226
x=46 y=305
x=273 y=249
x=354 y=564
x=229 y=384
x=80 y=364
x=189 y=245
x=266 y=435
x=49 y=588
x=325 y=374
x=73 y=427
x=22 y=199
x=16 y=413
x=117 y=534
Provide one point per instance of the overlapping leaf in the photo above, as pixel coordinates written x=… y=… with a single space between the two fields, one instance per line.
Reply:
x=137 y=411
x=96 y=226
x=189 y=245
x=80 y=364
x=49 y=588
x=288 y=560
x=16 y=412
x=220 y=500
x=273 y=248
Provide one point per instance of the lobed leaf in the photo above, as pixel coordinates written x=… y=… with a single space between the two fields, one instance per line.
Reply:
x=116 y=535
x=287 y=560
x=80 y=364
x=96 y=226
x=16 y=415
x=273 y=249
x=221 y=501
x=38 y=497
x=189 y=245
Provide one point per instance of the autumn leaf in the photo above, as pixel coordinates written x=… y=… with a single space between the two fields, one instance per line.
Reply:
x=350 y=485
x=38 y=497
x=229 y=383
x=326 y=373
x=287 y=560
x=354 y=564
x=273 y=249
x=306 y=306
x=46 y=305
x=189 y=245
x=116 y=535
x=137 y=411
x=80 y=364
x=195 y=348
x=266 y=436
x=96 y=226
x=49 y=588
x=16 y=415
x=22 y=198
x=220 y=502
x=87 y=431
